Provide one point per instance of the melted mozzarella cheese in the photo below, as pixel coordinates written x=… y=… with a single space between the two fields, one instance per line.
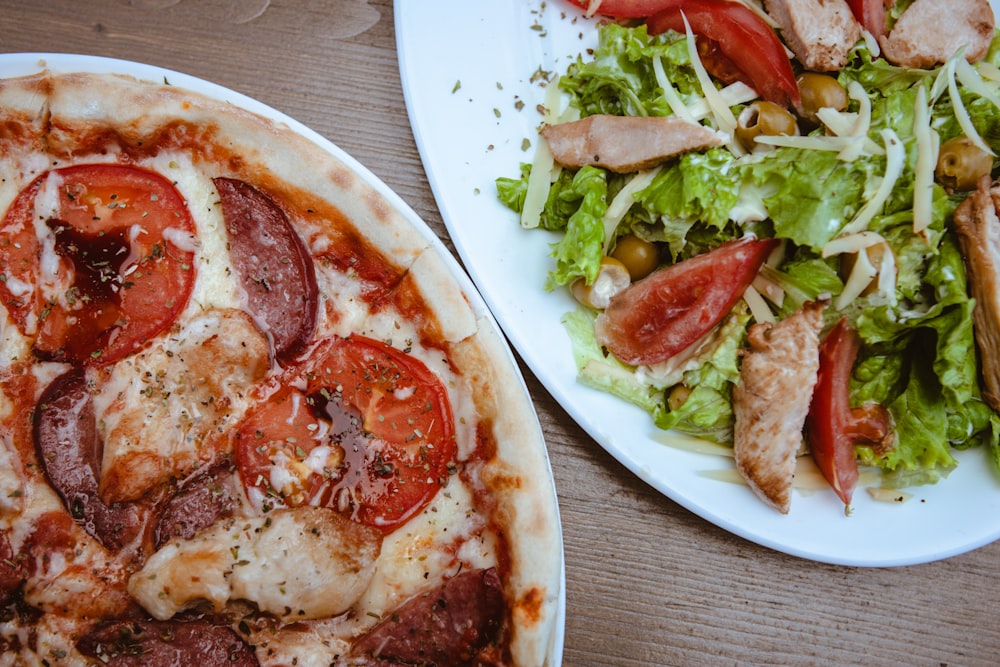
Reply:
x=12 y=485
x=74 y=581
x=55 y=275
x=297 y=564
x=449 y=535
x=216 y=285
x=421 y=553
x=342 y=294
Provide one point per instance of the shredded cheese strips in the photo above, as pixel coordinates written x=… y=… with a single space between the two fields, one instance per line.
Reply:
x=844 y=146
x=725 y=121
x=769 y=289
x=674 y=100
x=872 y=43
x=839 y=123
x=623 y=201
x=758 y=306
x=895 y=157
x=864 y=118
x=961 y=113
x=733 y=94
x=988 y=71
x=970 y=78
x=887 y=275
x=864 y=272
x=761 y=14
x=928 y=144
x=538 y=185
x=544 y=169
x=850 y=243
x=592 y=7
x=847 y=130
x=861 y=276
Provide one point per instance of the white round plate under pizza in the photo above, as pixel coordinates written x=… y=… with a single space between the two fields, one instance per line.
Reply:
x=251 y=411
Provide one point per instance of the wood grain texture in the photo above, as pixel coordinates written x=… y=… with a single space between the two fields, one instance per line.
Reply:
x=648 y=583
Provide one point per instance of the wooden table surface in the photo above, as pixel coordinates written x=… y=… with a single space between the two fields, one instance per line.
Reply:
x=648 y=583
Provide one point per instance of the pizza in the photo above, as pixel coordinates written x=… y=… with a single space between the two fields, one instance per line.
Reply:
x=248 y=415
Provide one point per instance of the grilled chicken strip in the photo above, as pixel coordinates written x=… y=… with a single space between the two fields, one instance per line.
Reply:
x=978 y=228
x=819 y=32
x=771 y=401
x=930 y=32
x=624 y=144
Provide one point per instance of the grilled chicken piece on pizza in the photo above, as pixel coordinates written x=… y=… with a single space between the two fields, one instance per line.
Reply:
x=978 y=226
x=326 y=563
x=771 y=401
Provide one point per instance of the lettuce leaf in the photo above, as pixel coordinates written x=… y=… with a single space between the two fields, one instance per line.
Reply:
x=620 y=79
x=815 y=193
x=707 y=412
x=600 y=371
x=697 y=188
x=578 y=253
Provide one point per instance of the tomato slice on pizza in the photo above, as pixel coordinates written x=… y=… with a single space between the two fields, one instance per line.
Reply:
x=368 y=432
x=96 y=259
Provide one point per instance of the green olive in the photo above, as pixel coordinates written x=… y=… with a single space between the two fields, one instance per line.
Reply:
x=820 y=91
x=640 y=257
x=763 y=118
x=961 y=164
x=677 y=396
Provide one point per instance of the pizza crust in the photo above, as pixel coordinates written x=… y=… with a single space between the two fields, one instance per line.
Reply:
x=253 y=148
x=525 y=499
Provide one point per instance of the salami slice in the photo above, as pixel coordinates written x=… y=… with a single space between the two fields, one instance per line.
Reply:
x=274 y=266
x=140 y=643
x=447 y=626
x=66 y=439
x=202 y=500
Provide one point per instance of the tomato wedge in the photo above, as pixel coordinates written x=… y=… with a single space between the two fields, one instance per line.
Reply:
x=832 y=426
x=742 y=37
x=870 y=14
x=668 y=310
x=96 y=260
x=364 y=429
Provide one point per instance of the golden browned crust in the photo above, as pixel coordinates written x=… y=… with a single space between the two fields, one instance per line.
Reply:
x=237 y=142
x=525 y=498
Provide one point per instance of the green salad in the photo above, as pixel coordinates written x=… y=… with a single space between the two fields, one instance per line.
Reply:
x=856 y=179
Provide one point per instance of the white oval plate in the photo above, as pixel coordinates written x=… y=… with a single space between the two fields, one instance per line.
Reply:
x=467 y=70
x=22 y=64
